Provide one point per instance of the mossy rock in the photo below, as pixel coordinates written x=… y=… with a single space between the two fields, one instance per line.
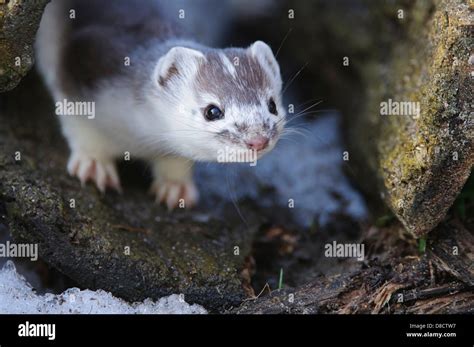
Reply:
x=421 y=162
x=19 y=21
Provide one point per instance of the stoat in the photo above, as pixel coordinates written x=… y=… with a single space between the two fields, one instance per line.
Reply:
x=158 y=94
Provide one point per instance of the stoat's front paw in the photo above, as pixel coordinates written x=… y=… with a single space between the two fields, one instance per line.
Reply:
x=102 y=172
x=174 y=193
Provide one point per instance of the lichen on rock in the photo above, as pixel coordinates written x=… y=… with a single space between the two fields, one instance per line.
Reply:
x=422 y=161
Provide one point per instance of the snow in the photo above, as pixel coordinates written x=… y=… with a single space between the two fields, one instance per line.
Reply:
x=18 y=297
x=306 y=168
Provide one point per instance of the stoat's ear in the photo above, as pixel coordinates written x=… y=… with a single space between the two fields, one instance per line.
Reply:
x=263 y=53
x=179 y=61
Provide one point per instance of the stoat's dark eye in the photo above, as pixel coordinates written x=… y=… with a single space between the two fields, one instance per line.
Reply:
x=212 y=112
x=272 y=108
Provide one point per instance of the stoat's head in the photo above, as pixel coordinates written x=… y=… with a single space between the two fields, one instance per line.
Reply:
x=219 y=100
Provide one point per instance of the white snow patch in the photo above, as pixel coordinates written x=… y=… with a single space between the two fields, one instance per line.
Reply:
x=18 y=297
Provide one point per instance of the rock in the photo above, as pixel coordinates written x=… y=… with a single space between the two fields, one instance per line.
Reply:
x=19 y=21
x=363 y=53
x=421 y=161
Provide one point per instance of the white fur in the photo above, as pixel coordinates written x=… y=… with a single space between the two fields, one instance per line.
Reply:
x=230 y=68
x=263 y=53
x=49 y=44
x=185 y=59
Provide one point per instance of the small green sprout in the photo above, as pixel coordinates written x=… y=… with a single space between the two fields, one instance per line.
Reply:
x=422 y=245
x=280 y=281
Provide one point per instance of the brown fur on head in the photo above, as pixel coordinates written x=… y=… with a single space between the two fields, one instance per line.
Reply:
x=244 y=85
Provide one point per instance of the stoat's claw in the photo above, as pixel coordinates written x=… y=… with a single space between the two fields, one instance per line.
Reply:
x=175 y=194
x=102 y=172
